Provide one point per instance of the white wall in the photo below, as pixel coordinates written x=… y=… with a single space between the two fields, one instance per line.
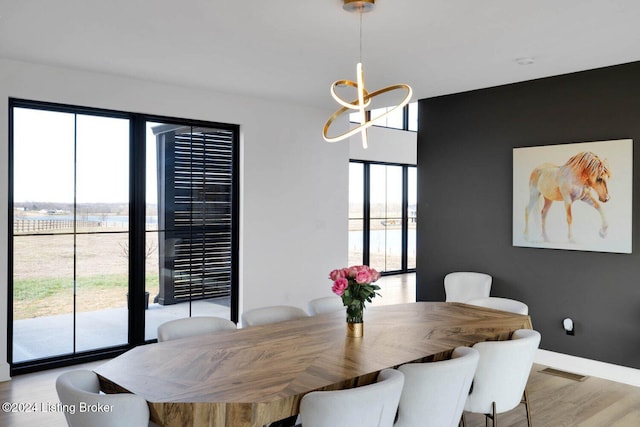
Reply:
x=386 y=145
x=293 y=184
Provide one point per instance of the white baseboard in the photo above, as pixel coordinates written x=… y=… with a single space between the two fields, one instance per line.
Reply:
x=594 y=368
x=4 y=372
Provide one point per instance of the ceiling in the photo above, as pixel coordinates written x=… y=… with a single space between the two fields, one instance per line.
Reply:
x=293 y=50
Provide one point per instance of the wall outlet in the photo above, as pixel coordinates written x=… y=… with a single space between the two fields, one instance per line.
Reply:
x=569 y=326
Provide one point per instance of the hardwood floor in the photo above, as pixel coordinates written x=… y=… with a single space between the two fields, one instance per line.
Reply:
x=396 y=289
x=555 y=401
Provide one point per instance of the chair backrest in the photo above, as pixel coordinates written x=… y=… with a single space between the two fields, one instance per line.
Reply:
x=503 y=372
x=79 y=391
x=272 y=314
x=461 y=286
x=435 y=393
x=504 y=304
x=325 y=305
x=372 y=405
x=191 y=326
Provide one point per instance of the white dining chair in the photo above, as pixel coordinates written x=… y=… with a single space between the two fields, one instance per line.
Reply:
x=78 y=390
x=461 y=286
x=272 y=314
x=325 y=305
x=192 y=326
x=372 y=405
x=434 y=393
x=498 y=303
x=499 y=384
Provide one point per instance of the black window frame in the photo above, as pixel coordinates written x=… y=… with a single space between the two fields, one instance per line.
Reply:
x=366 y=217
x=137 y=228
x=405 y=120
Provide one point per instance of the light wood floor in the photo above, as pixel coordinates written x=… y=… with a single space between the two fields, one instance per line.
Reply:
x=555 y=401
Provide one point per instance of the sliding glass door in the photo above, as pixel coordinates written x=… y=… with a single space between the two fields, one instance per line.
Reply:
x=70 y=205
x=120 y=222
x=385 y=212
x=189 y=228
x=382 y=213
x=357 y=238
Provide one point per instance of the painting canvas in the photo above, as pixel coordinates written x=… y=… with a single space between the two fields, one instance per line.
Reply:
x=574 y=196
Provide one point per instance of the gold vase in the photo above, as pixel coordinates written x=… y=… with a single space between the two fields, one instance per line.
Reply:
x=355 y=330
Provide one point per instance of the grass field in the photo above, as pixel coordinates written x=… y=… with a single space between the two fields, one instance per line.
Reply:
x=43 y=267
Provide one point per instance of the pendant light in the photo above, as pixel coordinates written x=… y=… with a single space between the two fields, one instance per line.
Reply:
x=364 y=97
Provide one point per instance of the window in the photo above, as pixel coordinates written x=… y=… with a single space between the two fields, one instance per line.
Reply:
x=403 y=119
x=112 y=236
x=70 y=205
x=394 y=120
x=385 y=213
x=382 y=212
x=412 y=117
x=356 y=213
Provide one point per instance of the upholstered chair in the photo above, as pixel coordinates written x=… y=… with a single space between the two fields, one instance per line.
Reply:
x=192 y=326
x=435 y=393
x=461 y=286
x=372 y=405
x=499 y=384
x=325 y=305
x=79 y=391
x=272 y=314
x=504 y=304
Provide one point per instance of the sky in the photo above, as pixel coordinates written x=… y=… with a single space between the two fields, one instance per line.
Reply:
x=44 y=158
x=386 y=183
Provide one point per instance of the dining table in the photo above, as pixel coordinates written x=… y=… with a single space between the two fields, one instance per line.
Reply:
x=258 y=375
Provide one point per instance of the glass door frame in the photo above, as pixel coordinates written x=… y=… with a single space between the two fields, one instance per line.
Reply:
x=137 y=230
x=366 y=252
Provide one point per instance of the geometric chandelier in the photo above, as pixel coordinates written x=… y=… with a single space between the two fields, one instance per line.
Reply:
x=364 y=98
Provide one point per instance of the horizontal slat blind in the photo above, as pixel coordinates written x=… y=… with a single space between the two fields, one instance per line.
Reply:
x=201 y=232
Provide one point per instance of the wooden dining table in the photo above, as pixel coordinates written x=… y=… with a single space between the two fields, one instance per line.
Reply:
x=258 y=375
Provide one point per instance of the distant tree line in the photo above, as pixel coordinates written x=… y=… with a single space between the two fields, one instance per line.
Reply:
x=82 y=208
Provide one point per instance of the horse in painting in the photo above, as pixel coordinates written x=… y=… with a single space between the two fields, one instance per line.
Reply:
x=568 y=183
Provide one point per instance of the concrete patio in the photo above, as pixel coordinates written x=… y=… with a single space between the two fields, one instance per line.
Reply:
x=49 y=336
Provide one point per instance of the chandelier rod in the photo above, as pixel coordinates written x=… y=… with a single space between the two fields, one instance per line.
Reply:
x=360 y=37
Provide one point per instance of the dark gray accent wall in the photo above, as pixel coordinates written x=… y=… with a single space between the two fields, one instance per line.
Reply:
x=465 y=144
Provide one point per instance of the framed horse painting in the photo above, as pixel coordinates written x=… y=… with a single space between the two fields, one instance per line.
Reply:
x=574 y=196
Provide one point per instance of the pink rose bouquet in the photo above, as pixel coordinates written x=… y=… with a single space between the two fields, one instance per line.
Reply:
x=354 y=285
